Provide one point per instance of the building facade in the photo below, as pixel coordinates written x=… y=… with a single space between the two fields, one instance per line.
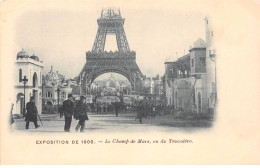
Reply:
x=190 y=82
x=53 y=81
x=186 y=80
x=170 y=75
x=153 y=89
x=31 y=68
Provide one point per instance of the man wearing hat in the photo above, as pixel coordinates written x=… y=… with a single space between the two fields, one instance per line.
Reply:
x=81 y=114
x=31 y=115
x=68 y=108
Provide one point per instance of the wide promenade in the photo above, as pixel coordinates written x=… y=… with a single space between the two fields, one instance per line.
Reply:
x=125 y=122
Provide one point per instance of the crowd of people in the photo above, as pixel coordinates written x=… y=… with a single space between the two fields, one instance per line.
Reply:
x=79 y=109
x=151 y=110
x=69 y=109
x=106 y=107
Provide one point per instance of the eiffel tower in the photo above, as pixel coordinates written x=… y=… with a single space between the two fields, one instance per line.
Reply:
x=99 y=61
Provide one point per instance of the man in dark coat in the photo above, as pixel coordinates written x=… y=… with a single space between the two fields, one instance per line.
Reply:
x=68 y=108
x=31 y=115
x=140 y=112
x=81 y=113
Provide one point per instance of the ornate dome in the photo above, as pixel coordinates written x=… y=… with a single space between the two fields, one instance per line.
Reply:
x=35 y=57
x=200 y=44
x=111 y=84
x=22 y=54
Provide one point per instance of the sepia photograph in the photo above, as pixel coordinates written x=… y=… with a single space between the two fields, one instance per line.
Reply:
x=118 y=88
x=101 y=78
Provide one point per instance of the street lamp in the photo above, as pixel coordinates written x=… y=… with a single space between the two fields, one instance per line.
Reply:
x=212 y=56
x=58 y=93
x=25 y=80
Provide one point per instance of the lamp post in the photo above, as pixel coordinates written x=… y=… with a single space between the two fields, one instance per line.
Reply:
x=213 y=59
x=25 y=80
x=58 y=93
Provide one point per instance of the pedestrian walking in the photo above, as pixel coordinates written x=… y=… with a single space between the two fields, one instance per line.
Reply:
x=31 y=115
x=11 y=114
x=81 y=114
x=68 y=109
x=140 y=112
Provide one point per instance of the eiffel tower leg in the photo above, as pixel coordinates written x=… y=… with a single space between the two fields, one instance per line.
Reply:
x=99 y=44
x=121 y=39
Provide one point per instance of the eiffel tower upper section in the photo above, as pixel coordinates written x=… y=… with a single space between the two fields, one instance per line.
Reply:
x=110 y=22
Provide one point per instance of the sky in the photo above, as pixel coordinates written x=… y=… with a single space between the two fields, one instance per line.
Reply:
x=61 y=36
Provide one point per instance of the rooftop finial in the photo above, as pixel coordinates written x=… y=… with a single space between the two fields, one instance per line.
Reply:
x=110 y=13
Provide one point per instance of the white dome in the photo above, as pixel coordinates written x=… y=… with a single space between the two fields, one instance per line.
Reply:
x=199 y=44
x=35 y=57
x=22 y=54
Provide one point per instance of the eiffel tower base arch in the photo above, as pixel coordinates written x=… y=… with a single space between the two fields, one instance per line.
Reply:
x=111 y=62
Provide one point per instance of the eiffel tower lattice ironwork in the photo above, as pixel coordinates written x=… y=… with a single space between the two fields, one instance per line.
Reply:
x=99 y=61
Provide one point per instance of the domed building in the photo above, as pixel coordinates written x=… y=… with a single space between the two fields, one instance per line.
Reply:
x=35 y=58
x=112 y=83
x=199 y=44
x=53 y=78
x=51 y=82
x=186 y=80
x=29 y=67
x=22 y=54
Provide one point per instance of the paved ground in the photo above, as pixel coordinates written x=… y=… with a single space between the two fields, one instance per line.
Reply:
x=109 y=123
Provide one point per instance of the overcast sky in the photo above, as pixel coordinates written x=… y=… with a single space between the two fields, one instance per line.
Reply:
x=61 y=36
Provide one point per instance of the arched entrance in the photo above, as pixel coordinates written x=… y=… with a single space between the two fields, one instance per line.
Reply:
x=109 y=88
x=87 y=79
x=35 y=80
x=112 y=81
x=102 y=71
